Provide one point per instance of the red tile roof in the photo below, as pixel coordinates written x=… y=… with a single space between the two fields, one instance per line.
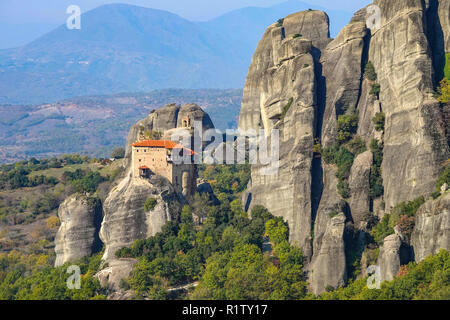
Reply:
x=167 y=144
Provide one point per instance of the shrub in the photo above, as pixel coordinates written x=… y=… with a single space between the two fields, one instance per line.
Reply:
x=369 y=72
x=435 y=195
x=280 y=22
x=52 y=222
x=347 y=126
x=333 y=214
x=376 y=88
x=379 y=121
x=150 y=204
x=343 y=189
x=88 y=183
x=297 y=35
x=408 y=208
x=376 y=179
x=444 y=178
x=328 y=154
x=344 y=161
x=382 y=229
x=357 y=145
x=444 y=91
x=406 y=226
x=317 y=148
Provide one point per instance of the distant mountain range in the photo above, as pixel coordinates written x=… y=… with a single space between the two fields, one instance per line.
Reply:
x=125 y=48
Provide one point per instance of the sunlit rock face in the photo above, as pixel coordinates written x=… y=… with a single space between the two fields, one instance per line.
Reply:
x=125 y=218
x=300 y=81
x=280 y=93
x=432 y=229
x=77 y=236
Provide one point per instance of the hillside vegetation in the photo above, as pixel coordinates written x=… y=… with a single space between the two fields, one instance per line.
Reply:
x=229 y=255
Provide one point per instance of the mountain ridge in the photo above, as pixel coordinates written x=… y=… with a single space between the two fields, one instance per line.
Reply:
x=126 y=48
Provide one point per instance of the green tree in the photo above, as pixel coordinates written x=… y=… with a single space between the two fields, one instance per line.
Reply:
x=276 y=230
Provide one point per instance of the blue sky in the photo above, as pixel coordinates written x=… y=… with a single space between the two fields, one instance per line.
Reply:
x=23 y=20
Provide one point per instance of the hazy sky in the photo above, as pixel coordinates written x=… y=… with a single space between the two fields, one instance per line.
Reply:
x=53 y=11
x=22 y=21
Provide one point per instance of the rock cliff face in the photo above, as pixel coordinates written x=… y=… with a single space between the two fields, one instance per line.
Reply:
x=432 y=230
x=302 y=84
x=414 y=145
x=125 y=219
x=77 y=236
x=282 y=76
x=342 y=63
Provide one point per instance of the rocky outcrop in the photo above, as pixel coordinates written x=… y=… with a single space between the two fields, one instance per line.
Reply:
x=389 y=257
x=359 y=201
x=368 y=107
x=328 y=267
x=432 y=229
x=267 y=61
x=414 y=143
x=280 y=93
x=77 y=236
x=125 y=219
x=116 y=270
x=342 y=63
